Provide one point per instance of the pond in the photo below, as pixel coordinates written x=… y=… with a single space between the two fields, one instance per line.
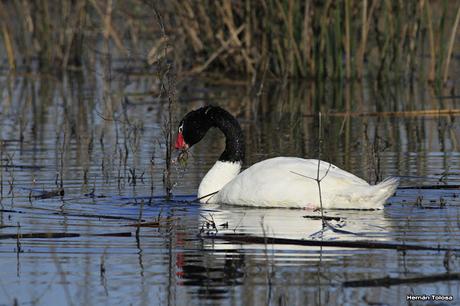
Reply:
x=84 y=219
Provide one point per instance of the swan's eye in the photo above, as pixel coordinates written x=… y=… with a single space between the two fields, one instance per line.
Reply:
x=181 y=128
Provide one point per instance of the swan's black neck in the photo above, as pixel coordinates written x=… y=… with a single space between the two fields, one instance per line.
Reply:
x=234 y=138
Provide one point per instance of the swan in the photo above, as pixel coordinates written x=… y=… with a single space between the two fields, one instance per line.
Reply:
x=287 y=182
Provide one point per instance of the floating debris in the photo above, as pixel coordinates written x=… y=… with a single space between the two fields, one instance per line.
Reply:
x=96 y=216
x=154 y=224
x=327 y=218
x=393 y=281
x=59 y=235
x=49 y=194
x=329 y=243
x=21 y=166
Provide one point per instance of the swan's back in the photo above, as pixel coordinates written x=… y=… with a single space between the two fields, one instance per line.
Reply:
x=291 y=182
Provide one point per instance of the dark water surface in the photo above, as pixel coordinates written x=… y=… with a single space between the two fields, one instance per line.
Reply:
x=84 y=247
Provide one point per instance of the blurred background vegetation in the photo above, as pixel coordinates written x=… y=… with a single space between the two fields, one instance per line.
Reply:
x=343 y=40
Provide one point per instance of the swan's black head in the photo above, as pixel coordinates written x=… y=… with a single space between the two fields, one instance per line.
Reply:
x=196 y=124
x=193 y=127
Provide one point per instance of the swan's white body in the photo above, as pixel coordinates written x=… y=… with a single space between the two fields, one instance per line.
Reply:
x=292 y=183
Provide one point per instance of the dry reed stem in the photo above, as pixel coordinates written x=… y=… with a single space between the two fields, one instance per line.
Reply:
x=206 y=21
x=192 y=26
x=451 y=45
x=7 y=38
x=322 y=39
x=362 y=48
x=247 y=33
x=109 y=31
x=431 y=75
x=367 y=19
x=159 y=50
x=292 y=42
x=318 y=180
x=305 y=44
x=1 y=168
x=225 y=46
x=413 y=36
x=228 y=20
x=73 y=32
x=8 y=46
x=347 y=40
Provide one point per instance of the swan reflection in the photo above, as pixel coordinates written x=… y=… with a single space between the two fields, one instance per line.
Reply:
x=292 y=224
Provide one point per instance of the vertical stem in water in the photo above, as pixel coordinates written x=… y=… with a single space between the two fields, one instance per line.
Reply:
x=139 y=222
x=169 y=138
x=61 y=172
x=167 y=64
x=1 y=170
x=318 y=180
x=152 y=171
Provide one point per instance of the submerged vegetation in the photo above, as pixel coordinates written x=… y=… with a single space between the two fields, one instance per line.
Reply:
x=346 y=39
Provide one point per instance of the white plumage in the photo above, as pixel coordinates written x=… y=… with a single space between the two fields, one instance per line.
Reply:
x=291 y=183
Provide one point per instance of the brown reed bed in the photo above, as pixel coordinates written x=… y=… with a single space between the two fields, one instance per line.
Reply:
x=345 y=39
x=322 y=39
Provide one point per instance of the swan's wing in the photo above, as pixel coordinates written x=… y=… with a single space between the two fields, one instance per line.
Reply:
x=308 y=168
x=286 y=181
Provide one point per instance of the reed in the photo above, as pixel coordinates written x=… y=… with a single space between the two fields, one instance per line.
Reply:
x=1 y=169
x=60 y=35
x=347 y=39
x=7 y=40
x=321 y=39
x=451 y=45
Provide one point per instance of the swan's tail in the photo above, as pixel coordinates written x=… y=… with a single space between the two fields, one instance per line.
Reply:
x=366 y=196
x=381 y=192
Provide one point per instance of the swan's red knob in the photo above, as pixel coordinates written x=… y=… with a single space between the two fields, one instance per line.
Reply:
x=180 y=143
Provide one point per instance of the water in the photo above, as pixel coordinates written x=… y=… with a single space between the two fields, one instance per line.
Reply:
x=85 y=247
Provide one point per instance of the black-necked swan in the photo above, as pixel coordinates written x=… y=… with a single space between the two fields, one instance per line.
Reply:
x=276 y=182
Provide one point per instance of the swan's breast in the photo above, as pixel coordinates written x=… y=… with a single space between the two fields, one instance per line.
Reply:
x=216 y=178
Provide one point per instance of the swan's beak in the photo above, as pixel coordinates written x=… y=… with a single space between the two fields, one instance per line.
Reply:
x=180 y=142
